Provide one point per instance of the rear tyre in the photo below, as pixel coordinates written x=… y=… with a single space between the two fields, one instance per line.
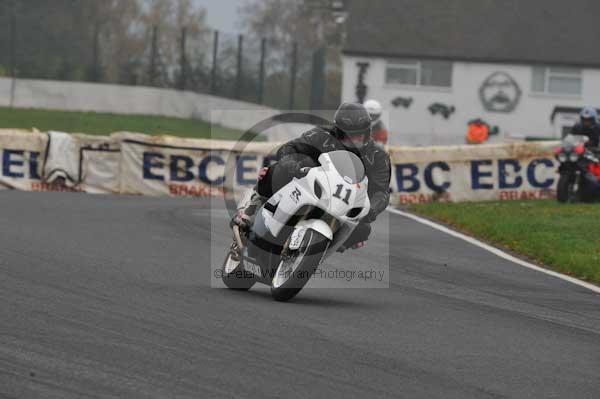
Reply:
x=565 y=190
x=297 y=267
x=234 y=275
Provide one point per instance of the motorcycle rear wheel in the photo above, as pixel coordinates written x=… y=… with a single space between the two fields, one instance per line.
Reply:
x=234 y=275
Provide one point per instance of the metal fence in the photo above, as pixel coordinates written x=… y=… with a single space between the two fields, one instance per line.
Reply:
x=258 y=70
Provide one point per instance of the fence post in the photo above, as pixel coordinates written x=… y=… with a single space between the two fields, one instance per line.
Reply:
x=96 y=69
x=183 y=62
x=318 y=79
x=293 y=75
x=13 y=51
x=213 y=73
x=239 y=81
x=152 y=71
x=261 y=76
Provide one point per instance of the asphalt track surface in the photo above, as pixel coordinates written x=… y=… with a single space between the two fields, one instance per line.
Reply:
x=107 y=296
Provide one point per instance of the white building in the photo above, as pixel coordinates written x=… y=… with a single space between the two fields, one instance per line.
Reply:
x=525 y=67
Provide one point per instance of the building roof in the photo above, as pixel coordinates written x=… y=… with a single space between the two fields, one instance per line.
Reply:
x=561 y=32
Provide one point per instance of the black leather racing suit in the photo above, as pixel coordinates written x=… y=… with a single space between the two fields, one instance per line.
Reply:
x=305 y=151
x=593 y=132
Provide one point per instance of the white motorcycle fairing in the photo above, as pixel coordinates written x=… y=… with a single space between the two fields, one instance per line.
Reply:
x=341 y=199
x=299 y=226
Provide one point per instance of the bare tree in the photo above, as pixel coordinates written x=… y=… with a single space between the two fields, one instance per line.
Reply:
x=121 y=39
x=311 y=24
x=170 y=17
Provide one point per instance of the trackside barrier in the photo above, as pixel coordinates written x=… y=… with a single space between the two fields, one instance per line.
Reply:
x=135 y=163
x=474 y=173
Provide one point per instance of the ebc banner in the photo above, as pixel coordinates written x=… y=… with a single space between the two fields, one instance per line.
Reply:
x=22 y=156
x=453 y=174
x=184 y=168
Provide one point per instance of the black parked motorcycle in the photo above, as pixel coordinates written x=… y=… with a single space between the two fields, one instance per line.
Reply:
x=579 y=171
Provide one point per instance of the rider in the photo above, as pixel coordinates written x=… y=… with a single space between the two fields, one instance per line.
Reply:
x=588 y=126
x=351 y=131
x=379 y=131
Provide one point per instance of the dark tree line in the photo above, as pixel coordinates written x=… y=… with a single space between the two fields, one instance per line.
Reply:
x=141 y=42
x=106 y=40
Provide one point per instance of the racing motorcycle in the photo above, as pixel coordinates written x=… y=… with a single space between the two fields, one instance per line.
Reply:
x=299 y=227
x=579 y=171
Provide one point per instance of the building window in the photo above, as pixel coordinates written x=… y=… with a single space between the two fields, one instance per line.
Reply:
x=553 y=80
x=419 y=73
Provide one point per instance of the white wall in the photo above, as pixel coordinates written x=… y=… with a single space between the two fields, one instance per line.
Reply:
x=119 y=99
x=416 y=125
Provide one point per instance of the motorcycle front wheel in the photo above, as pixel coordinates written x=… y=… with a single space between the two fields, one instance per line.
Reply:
x=565 y=190
x=297 y=267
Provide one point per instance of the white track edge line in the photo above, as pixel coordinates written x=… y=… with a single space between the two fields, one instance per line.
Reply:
x=494 y=250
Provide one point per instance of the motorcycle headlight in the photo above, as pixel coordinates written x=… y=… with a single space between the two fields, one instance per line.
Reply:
x=573 y=157
x=318 y=190
x=562 y=157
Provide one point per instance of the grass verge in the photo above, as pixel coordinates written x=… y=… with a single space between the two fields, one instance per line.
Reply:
x=565 y=238
x=97 y=123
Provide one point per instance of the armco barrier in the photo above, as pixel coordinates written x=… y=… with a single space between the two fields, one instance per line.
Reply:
x=134 y=163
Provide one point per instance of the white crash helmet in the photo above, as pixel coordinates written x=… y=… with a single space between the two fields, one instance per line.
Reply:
x=589 y=113
x=374 y=109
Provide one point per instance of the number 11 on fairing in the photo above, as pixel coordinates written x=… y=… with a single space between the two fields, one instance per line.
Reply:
x=338 y=194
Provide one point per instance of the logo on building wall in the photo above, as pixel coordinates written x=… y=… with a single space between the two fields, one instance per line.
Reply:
x=404 y=102
x=500 y=93
x=443 y=109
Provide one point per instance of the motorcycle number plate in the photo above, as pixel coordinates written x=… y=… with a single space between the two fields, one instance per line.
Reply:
x=253 y=268
x=296 y=239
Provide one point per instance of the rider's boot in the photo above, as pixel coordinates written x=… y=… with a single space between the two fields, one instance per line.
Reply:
x=246 y=210
x=357 y=239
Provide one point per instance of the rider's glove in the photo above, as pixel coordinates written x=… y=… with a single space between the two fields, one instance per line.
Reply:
x=262 y=173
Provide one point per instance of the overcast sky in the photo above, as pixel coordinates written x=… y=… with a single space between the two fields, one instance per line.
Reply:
x=222 y=14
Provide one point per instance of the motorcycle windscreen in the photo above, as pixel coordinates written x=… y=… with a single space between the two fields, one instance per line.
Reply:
x=573 y=140
x=348 y=165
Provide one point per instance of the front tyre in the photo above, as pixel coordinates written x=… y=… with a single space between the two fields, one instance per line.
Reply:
x=234 y=275
x=297 y=267
x=565 y=190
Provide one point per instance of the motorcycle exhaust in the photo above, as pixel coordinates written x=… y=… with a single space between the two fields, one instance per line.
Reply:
x=238 y=237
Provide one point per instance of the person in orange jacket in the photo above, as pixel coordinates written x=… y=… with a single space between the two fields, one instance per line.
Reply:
x=478 y=132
